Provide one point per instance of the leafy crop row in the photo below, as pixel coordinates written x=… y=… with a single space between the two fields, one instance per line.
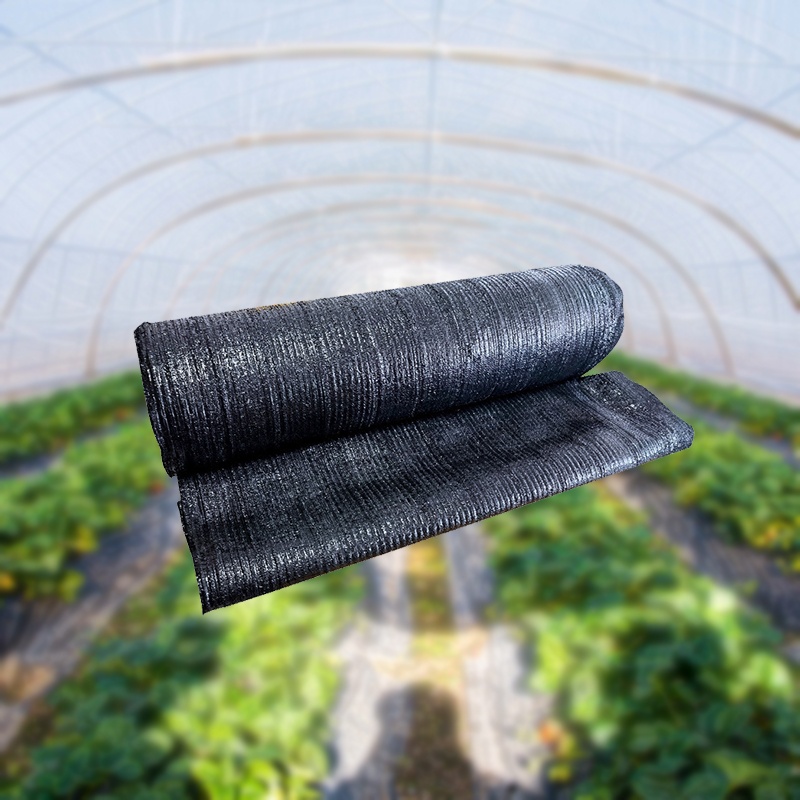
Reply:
x=47 y=423
x=234 y=704
x=750 y=493
x=47 y=518
x=665 y=685
x=756 y=414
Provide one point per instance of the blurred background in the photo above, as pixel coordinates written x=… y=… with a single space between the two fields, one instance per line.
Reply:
x=636 y=638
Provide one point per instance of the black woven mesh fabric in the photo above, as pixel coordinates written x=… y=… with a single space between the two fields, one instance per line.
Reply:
x=310 y=436
x=226 y=387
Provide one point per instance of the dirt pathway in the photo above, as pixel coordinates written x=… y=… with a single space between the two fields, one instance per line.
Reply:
x=371 y=719
x=41 y=641
x=779 y=446
x=503 y=715
x=443 y=713
x=773 y=591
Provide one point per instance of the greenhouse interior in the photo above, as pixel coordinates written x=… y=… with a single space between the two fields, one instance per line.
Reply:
x=635 y=638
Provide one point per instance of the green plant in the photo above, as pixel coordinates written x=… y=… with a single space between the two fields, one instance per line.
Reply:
x=47 y=518
x=756 y=414
x=231 y=705
x=44 y=424
x=665 y=684
x=750 y=493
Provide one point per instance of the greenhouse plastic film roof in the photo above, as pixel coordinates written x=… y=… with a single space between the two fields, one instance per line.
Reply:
x=165 y=159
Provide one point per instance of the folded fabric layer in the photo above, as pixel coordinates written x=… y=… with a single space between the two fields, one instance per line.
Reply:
x=267 y=523
x=228 y=387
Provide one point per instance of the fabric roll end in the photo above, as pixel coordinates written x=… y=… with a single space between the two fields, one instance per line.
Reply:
x=144 y=338
x=681 y=433
x=202 y=572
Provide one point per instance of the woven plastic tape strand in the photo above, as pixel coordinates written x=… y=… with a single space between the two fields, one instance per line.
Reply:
x=309 y=436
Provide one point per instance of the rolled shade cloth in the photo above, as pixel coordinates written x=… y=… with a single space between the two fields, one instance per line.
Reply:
x=312 y=435
x=226 y=387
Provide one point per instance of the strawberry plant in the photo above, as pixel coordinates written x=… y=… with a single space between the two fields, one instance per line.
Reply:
x=751 y=494
x=48 y=423
x=666 y=686
x=755 y=413
x=47 y=518
x=235 y=704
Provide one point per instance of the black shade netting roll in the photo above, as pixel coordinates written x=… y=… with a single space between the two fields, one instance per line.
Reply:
x=226 y=387
x=309 y=436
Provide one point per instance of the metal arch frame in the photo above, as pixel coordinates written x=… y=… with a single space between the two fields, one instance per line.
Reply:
x=629 y=335
x=463 y=140
x=272 y=234
x=615 y=106
x=434 y=180
x=618 y=222
x=485 y=248
x=458 y=203
x=239 y=94
x=628 y=332
x=346 y=208
x=285 y=222
x=400 y=243
x=289 y=261
x=275 y=188
x=517 y=59
x=440 y=223
x=711 y=318
x=114 y=153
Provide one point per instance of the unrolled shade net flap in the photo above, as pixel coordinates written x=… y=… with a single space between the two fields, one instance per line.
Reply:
x=312 y=435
